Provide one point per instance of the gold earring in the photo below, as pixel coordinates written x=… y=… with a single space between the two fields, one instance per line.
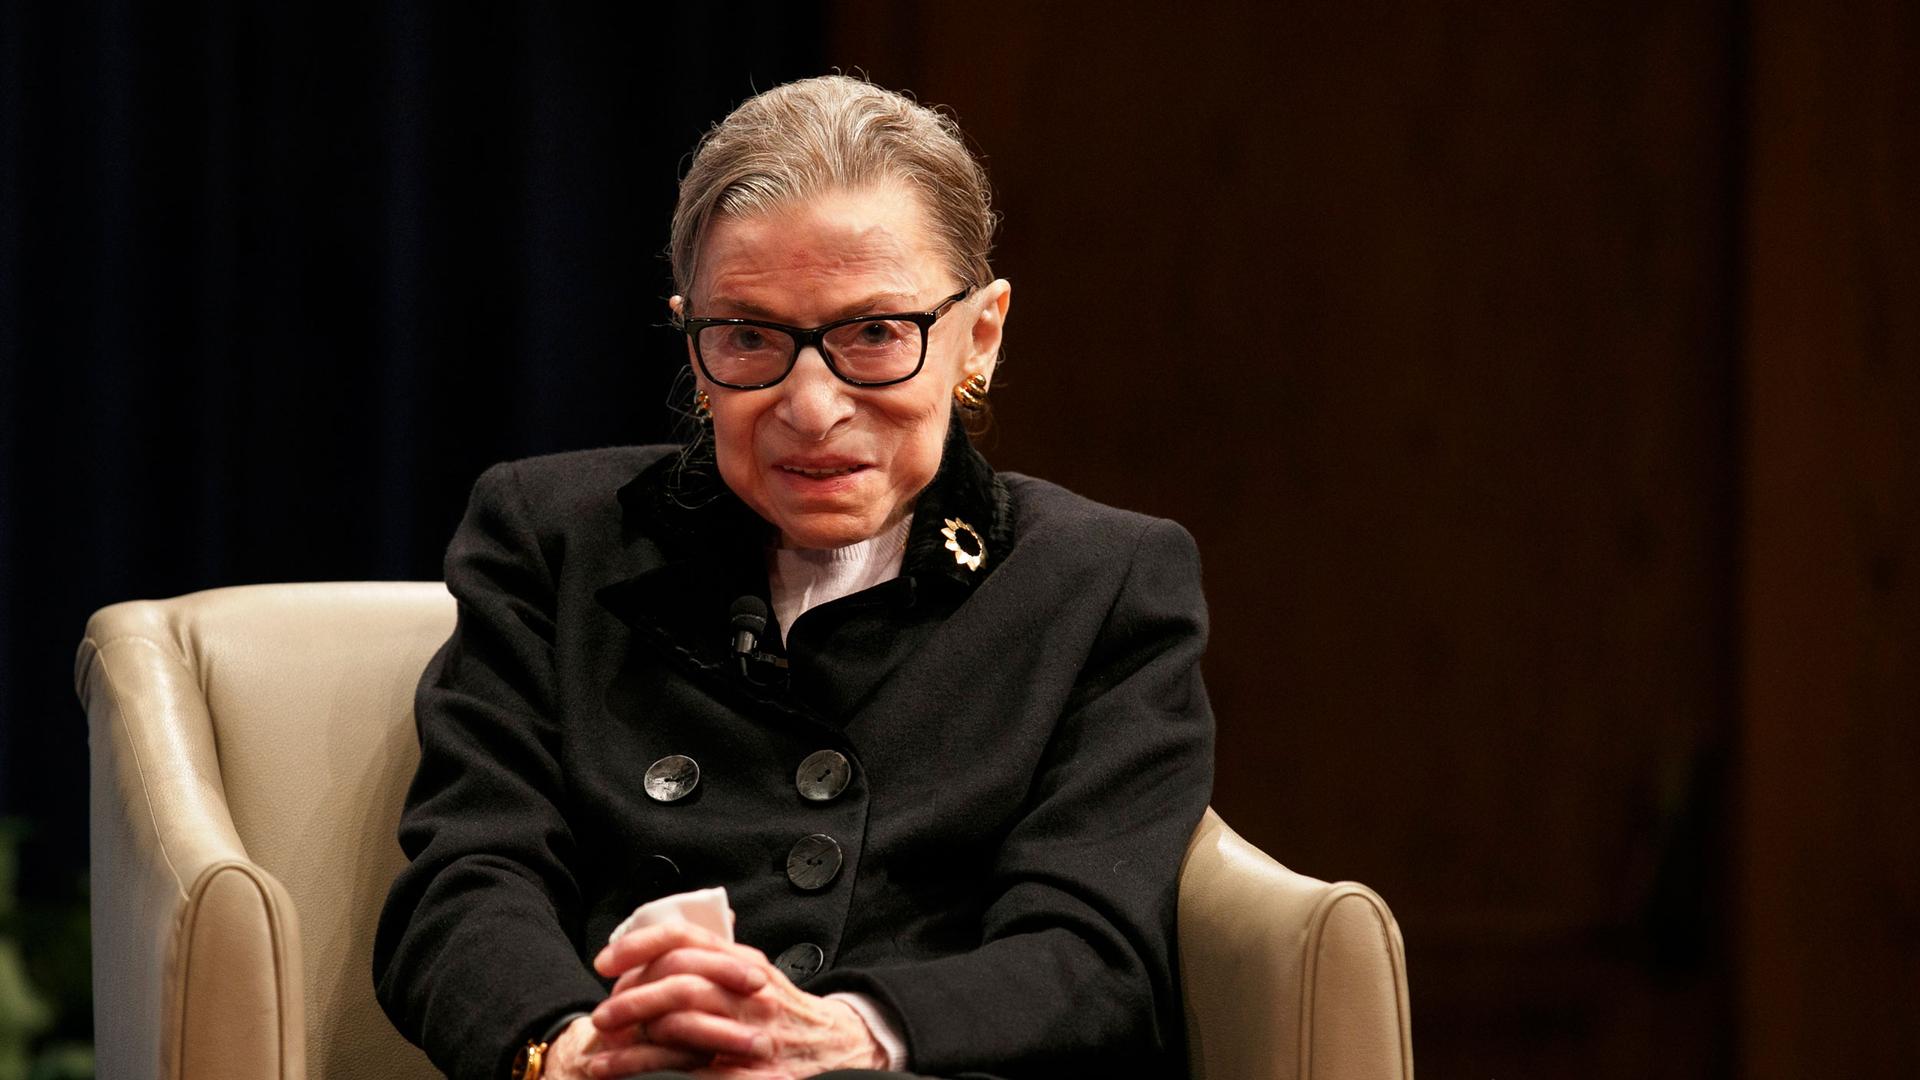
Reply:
x=971 y=395
x=702 y=408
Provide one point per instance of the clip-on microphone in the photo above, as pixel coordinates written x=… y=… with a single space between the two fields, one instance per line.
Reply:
x=748 y=617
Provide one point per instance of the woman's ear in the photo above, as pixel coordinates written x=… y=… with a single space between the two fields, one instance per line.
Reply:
x=988 y=327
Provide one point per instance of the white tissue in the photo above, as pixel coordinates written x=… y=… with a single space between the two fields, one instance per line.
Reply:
x=704 y=908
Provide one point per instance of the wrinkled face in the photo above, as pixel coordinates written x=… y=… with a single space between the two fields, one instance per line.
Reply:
x=825 y=462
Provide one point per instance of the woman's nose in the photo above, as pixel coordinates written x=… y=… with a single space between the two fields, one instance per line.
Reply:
x=816 y=401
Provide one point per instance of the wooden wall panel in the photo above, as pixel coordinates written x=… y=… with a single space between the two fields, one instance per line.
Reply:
x=1422 y=319
x=1830 y=878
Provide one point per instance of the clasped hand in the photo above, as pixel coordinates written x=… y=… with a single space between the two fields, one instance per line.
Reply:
x=684 y=998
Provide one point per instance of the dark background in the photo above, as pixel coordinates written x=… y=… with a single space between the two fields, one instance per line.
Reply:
x=1541 y=383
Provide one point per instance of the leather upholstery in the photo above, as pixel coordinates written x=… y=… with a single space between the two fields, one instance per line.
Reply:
x=250 y=750
x=1286 y=976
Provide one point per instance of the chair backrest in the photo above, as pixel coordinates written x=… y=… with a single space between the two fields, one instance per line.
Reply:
x=308 y=711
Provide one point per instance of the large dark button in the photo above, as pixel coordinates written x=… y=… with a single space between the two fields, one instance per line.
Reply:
x=672 y=778
x=814 y=861
x=823 y=775
x=800 y=961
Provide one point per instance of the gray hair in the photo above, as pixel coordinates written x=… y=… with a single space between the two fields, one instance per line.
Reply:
x=835 y=133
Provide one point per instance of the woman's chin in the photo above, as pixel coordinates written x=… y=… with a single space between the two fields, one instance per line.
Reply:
x=826 y=530
x=827 y=512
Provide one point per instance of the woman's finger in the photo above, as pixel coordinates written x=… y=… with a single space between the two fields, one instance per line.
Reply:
x=642 y=1058
x=676 y=993
x=725 y=970
x=703 y=1031
x=643 y=946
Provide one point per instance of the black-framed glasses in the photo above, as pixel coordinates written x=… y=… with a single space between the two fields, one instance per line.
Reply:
x=865 y=350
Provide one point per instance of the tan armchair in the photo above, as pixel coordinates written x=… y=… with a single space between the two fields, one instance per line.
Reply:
x=250 y=750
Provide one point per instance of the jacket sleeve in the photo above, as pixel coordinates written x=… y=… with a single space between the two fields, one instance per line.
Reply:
x=1076 y=966
x=472 y=952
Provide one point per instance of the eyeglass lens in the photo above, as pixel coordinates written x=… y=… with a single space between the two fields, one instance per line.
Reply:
x=872 y=350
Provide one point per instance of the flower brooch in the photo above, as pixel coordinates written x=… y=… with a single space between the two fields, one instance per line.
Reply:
x=968 y=549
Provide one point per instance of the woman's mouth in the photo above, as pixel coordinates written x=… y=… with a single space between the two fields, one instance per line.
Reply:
x=820 y=473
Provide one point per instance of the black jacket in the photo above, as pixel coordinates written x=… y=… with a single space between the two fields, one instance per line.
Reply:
x=1030 y=744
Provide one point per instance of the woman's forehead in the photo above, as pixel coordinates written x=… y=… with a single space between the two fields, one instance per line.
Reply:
x=875 y=240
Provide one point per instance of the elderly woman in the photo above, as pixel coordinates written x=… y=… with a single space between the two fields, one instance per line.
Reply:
x=946 y=784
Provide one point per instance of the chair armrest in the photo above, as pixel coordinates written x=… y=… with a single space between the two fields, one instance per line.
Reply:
x=196 y=949
x=1286 y=977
